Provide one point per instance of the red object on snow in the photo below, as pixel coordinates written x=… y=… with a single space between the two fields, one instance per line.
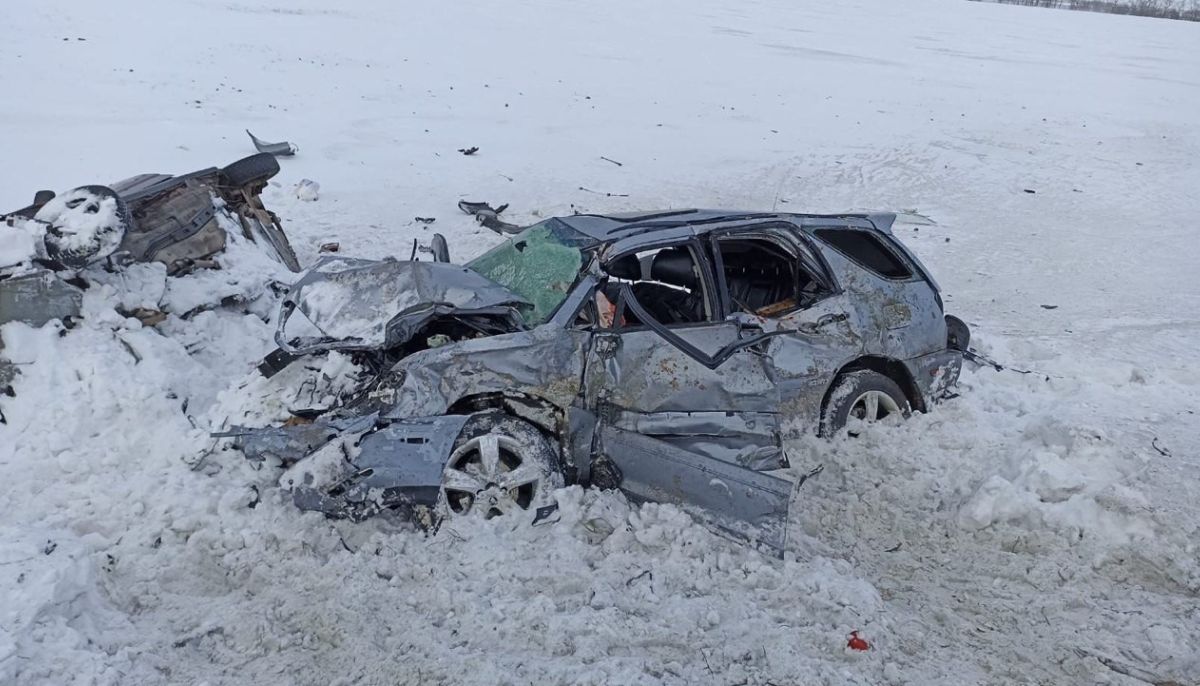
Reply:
x=856 y=643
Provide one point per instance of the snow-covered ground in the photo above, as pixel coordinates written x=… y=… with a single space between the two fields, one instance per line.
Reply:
x=1041 y=528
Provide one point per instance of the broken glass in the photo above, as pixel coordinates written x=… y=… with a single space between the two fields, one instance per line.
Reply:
x=540 y=264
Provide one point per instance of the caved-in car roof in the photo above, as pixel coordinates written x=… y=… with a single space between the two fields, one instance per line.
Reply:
x=611 y=227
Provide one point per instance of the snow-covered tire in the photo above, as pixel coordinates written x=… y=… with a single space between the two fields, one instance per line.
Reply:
x=867 y=395
x=253 y=169
x=78 y=230
x=500 y=465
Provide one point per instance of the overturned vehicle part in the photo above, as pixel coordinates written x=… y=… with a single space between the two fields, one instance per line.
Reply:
x=56 y=246
x=672 y=355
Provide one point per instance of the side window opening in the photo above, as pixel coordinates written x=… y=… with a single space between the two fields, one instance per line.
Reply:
x=868 y=250
x=764 y=279
x=667 y=282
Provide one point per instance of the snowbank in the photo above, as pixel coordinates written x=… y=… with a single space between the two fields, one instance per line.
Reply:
x=1038 y=528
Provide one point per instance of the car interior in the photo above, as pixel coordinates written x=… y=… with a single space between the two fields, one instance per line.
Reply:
x=764 y=279
x=666 y=282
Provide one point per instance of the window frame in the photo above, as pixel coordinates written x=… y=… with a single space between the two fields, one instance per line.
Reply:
x=780 y=233
x=712 y=297
x=886 y=241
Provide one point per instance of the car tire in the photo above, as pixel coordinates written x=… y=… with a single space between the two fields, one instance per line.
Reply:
x=864 y=394
x=253 y=169
x=103 y=241
x=478 y=479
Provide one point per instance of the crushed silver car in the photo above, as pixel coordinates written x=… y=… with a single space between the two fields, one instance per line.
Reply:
x=669 y=354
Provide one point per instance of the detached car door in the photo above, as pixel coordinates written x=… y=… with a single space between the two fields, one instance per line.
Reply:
x=685 y=414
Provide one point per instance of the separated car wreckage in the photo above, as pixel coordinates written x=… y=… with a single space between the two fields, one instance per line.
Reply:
x=668 y=354
x=182 y=222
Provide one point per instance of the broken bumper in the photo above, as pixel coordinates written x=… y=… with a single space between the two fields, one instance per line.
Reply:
x=936 y=373
x=395 y=466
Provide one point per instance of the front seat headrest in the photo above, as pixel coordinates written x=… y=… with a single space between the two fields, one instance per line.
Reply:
x=676 y=267
x=626 y=267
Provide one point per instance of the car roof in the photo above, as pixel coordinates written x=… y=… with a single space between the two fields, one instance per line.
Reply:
x=606 y=228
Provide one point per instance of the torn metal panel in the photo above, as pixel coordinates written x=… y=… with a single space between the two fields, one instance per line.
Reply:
x=736 y=499
x=401 y=464
x=936 y=373
x=644 y=373
x=291 y=443
x=37 y=298
x=356 y=304
x=544 y=363
x=281 y=149
x=581 y=435
x=747 y=439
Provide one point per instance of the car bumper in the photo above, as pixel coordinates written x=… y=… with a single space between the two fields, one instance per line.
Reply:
x=394 y=466
x=935 y=374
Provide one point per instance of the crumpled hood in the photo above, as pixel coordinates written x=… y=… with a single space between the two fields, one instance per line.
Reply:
x=356 y=304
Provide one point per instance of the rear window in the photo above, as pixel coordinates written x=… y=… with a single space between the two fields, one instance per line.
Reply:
x=867 y=249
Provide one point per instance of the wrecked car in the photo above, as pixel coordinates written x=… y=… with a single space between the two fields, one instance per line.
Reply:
x=669 y=354
x=182 y=222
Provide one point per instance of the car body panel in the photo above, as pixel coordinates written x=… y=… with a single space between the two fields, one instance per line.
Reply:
x=356 y=304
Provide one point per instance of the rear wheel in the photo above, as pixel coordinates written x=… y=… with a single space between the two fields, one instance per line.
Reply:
x=84 y=225
x=865 y=395
x=253 y=169
x=500 y=465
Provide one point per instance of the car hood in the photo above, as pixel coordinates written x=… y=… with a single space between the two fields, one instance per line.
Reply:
x=356 y=304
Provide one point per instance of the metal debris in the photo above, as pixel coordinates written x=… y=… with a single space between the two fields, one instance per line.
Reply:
x=281 y=149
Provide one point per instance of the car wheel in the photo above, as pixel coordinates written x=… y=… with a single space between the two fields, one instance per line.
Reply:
x=84 y=225
x=865 y=395
x=252 y=169
x=500 y=465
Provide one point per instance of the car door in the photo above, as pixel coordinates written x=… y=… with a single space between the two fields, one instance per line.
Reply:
x=687 y=414
x=817 y=328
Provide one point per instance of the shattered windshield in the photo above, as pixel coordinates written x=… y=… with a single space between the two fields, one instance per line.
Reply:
x=539 y=264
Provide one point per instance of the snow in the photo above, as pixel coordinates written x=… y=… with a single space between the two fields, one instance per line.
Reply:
x=308 y=190
x=1040 y=528
x=19 y=244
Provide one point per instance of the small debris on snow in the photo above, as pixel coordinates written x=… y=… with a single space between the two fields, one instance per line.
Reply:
x=469 y=151
x=308 y=190
x=857 y=643
x=1161 y=451
x=329 y=247
x=604 y=193
x=1049 y=307
x=425 y=220
x=281 y=149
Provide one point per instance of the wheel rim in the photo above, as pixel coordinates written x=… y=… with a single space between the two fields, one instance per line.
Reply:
x=489 y=475
x=872 y=406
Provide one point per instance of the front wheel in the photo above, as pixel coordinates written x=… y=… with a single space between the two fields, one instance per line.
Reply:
x=865 y=395
x=500 y=465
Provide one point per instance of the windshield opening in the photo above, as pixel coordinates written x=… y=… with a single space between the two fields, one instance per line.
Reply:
x=539 y=264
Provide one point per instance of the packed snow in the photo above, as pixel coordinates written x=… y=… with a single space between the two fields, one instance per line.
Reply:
x=1042 y=527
